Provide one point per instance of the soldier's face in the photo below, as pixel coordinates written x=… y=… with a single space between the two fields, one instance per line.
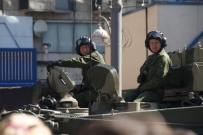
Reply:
x=155 y=45
x=85 y=49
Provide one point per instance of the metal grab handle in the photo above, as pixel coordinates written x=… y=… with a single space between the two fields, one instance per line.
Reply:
x=196 y=65
x=63 y=81
x=199 y=97
x=187 y=100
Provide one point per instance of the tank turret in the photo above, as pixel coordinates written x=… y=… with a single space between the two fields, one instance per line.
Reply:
x=185 y=81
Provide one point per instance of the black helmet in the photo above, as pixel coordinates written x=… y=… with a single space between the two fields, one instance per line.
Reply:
x=84 y=41
x=155 y=35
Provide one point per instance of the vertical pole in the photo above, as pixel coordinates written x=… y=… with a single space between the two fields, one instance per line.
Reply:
x=116 y=40
x=146 y=15
x=90 y=83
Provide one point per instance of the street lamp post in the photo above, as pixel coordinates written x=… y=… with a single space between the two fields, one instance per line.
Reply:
x=99 y=35
x=116 y=38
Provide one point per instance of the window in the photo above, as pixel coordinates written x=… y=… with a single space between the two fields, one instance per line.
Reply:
x=62 y=36
x=64 y=5
x=59 y=6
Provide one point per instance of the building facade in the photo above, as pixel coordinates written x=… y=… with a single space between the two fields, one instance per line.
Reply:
x=62 y=23
x=181 y=22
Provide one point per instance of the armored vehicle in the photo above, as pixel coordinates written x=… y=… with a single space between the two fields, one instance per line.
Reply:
x=180 y=108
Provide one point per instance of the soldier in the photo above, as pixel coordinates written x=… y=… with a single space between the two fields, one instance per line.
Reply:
x=83 y=48
x=153 y=73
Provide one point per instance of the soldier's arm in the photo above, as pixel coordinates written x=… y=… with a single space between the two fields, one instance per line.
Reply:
x=162 y=67
x=81 y=62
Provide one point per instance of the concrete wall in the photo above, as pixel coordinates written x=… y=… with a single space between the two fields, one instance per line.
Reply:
x=152 y=17
x=181 y=24
x=134 y=55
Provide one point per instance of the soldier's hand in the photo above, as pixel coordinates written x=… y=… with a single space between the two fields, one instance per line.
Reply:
x=49 y=65
x=141 y=78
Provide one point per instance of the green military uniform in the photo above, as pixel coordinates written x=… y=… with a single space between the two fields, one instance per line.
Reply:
x=84 y=63
x=157 y=68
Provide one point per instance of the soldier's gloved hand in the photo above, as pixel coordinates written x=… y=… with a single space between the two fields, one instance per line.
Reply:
x=141 y=78
x=135 y=95
x=49 y=65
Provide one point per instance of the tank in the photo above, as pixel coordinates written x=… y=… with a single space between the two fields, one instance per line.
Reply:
x=180 y=108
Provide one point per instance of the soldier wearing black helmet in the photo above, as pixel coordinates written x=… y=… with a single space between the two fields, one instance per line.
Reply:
x=86 y=49
x=153 y=73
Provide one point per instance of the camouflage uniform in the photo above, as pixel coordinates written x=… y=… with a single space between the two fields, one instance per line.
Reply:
x=157 y=67
x=84 y=63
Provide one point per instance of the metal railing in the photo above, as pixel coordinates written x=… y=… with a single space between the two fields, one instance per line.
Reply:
x=18 y=67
